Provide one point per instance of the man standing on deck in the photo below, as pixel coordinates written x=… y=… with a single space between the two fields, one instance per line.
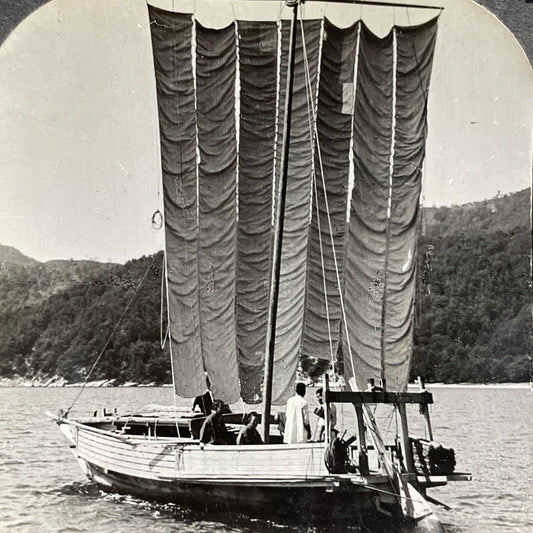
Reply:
x=297 y=428
x=320 y=412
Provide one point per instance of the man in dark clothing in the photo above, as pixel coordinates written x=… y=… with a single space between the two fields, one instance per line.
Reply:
x=214 y=430
x=205 y=401
x=249 y=434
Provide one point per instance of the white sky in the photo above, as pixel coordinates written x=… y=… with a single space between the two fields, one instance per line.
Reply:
x=79 y=148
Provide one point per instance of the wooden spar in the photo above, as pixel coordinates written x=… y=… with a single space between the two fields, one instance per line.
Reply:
x=361 y=398
x=361 y=438
x=278 y=233
x=407 y=449
x=327 y=421
x=378 y=3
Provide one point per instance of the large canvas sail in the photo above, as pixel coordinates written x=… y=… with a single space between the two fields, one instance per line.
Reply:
x=296 y=231
x=323 y=314
x=389 y=141
x=220 y=97
x=171 y=42
x=258 y=64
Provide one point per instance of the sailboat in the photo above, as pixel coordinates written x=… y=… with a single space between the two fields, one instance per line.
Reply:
x=291 y=154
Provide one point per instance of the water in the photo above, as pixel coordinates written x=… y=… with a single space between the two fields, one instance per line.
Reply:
x=42 y=488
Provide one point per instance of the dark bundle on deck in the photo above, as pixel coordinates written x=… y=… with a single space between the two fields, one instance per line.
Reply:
x=432 y=459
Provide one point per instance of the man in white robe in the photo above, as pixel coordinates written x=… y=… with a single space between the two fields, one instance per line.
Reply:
x=297 y=427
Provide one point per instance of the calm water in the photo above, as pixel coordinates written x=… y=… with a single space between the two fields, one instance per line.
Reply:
x=42 y=488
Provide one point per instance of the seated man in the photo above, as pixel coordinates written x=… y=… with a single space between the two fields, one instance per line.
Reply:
x=337 y=457
x=249 y=434
x=214 y=429
x=321 y=423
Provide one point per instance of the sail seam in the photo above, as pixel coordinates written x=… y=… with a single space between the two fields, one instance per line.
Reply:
x=195 y=86
x=349 y=202
x=389 y=201
x=276 y=130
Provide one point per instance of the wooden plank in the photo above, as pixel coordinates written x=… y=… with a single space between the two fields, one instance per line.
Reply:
x=136 y=457
x=149 y=457
x=122 y=458
x=361 y=398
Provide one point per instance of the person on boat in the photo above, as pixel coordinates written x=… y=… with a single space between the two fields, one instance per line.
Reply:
x=321 y=423
x=372 y=387
x=297 y=428
x=280 y=418
x=214 y=429
x=205 y=401
x=337 y=457
x=249 y=434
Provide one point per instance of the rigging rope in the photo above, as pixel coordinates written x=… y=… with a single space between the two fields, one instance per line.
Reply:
x=117 y=324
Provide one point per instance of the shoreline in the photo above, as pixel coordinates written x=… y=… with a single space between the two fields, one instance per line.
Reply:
x=58 y=382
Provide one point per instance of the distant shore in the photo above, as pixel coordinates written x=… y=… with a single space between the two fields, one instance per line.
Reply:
x=59 y=382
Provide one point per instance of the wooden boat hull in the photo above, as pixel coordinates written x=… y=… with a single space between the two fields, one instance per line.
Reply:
x=287 y=481
x=301 y=504
x=284 y=481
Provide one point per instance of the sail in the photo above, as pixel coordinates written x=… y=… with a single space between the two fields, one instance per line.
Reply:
x=359 y=101
x=171 y=42
x=291 y=302
x=330 y=194
x=258 y=65
x=216 y=55
x=389 y=141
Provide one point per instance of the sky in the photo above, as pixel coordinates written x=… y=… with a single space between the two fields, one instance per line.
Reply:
x=79 y=147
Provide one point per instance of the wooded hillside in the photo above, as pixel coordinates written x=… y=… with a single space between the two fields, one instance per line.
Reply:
x=473 y=315
x=474 y=311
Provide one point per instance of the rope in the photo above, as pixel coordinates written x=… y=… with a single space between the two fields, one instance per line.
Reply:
x=399 y=496
x=117 y=324
x=376 y=437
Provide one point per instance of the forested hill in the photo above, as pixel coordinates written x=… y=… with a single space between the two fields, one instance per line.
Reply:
x=473 y=315
x=56 y=317
x=474 y=309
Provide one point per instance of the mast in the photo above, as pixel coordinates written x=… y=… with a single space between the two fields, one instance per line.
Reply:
x=278 y=232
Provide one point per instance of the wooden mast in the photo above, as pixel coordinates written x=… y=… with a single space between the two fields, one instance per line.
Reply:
x=278 y=231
